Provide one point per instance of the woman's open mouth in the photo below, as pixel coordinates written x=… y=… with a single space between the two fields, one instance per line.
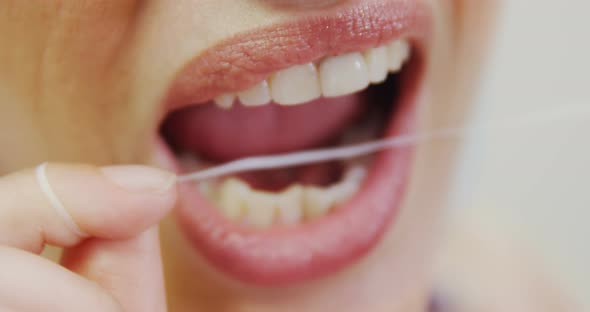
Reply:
x=341 y=77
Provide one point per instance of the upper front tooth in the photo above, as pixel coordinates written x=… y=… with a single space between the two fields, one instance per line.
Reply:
x=256 y=95
x=225 y=101
x=399 y=52
x=377 y=64
x=295 y=85
x=343 y=74
x=260 y=209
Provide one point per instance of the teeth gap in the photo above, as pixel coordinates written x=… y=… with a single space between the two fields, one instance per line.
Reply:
x=331 y=76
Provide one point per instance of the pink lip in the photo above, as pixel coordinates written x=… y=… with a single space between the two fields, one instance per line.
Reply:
x=285 y=255
x=245 y=60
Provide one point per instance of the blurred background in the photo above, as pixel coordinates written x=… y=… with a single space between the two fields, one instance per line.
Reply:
x=536 y=183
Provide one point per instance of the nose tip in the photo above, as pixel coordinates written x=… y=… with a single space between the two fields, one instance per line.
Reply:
x=304 y=4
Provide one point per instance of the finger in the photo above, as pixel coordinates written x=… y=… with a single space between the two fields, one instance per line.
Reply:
x=130 y=270
x=64 y=204
x=31 y=283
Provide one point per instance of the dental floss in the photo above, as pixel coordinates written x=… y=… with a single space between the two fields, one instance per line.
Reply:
x=312 y=156
x=43 y=181
x=356 y=150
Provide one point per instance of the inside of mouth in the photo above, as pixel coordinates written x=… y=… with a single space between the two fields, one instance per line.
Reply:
x=205 y=135
x=375 y=106
x=368 y=125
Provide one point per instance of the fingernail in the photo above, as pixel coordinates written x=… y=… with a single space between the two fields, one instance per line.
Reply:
x=140 y=178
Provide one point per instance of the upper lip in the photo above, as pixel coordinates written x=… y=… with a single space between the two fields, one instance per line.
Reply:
x=247 y=59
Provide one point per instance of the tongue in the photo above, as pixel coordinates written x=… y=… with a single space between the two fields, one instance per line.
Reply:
x=223 y=135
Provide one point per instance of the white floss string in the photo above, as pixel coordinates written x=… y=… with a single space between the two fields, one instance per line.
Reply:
x=346 y=152
x=55 y=202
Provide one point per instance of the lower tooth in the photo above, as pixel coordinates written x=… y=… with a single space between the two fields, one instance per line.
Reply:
x=344 y=191
x=289 y=205
x=260 y=209
x=231 y=198
x=317 y=202
x=237 y=201
x=207 y=190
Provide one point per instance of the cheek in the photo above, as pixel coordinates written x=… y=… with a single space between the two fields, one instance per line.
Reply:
x=64 y=79
x=462 y=41
x=474 y=24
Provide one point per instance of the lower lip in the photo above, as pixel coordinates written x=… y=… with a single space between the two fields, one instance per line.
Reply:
x=288 y=255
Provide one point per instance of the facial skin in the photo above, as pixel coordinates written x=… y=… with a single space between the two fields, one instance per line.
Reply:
x=82 y=81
